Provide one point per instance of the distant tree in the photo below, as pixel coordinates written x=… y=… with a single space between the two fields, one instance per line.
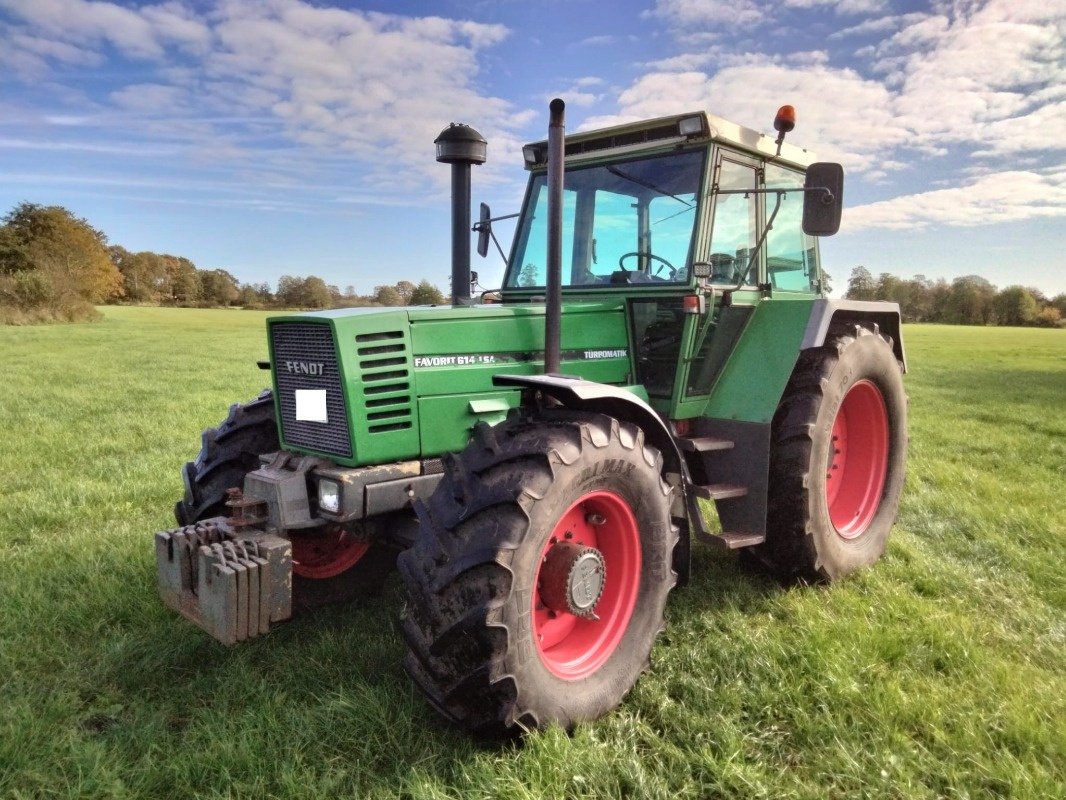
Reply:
x=67 y=251
x=969 y=301
x=1049 y=317
x=827 y=282
x=387 y=296
x=144 y=275
x=426 y=294
x=405 y=289
x=528 y=275
x=218 y=287
x=310 y=292
x=255 y=295
x=861 y=285
x=1016 y=305
x=290 y=292
x=1059 y=302
x=315 y=293
x=182 y=282
x=13 y=254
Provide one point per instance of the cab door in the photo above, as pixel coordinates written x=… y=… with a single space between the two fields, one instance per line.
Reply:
x=736 y=219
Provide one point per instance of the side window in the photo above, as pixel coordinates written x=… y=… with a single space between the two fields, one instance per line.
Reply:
x=791 y=261
x=733 y=236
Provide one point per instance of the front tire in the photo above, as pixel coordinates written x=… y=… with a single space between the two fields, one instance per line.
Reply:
x=839 y=448
x=539 y=578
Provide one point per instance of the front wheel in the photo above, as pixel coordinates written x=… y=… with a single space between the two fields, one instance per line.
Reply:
x=839 y=448
x=539 y=578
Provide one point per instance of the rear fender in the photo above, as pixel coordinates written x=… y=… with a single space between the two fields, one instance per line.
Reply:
x=825 y=312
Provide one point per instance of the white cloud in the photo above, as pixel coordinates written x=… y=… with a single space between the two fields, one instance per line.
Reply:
x=685 y=14
x=854 y=129
x=597 y=41
x=878 y=25
x=998 y=197
x=377 y=86
x=987 y=74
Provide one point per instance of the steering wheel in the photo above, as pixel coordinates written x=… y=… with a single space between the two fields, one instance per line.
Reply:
x=652 y=257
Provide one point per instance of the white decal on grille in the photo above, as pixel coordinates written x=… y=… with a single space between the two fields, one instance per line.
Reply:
x=311 y=405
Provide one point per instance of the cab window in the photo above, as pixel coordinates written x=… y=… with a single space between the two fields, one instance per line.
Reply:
x=734 y=234
x=791 y=255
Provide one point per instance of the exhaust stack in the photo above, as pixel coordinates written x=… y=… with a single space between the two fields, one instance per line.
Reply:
x=554 y=301
x=461 y=146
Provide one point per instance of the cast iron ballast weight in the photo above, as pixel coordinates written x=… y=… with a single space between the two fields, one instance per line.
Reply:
x=536 y=468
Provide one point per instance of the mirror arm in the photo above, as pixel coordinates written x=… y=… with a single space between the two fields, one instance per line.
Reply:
x=486 y=225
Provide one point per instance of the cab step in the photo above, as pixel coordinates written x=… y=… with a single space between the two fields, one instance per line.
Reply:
x=703 y=444
x=720 y=491
x=732 y=540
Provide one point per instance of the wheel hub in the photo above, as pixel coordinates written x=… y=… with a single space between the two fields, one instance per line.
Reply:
x=572 y=579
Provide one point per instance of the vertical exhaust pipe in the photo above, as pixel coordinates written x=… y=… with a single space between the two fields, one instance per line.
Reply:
x=554 y=309
x=461 y=146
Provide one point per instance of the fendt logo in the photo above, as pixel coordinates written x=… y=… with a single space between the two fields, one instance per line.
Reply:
x=305 y=367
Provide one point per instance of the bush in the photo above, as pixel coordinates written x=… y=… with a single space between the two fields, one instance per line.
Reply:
x=77 y=311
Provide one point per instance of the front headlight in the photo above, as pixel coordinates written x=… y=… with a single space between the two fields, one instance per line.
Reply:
x=329 y=496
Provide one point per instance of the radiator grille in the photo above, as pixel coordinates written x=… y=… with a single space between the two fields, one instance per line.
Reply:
x=300 y=347
x=386 y=378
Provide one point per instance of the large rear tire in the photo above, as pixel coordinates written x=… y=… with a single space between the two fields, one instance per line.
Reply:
x=332 y=565
x=537 y=584
x=839 y=448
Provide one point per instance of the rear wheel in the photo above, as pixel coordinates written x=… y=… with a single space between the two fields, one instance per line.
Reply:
x=540 y=574
x=838 y=457
x=330 y=564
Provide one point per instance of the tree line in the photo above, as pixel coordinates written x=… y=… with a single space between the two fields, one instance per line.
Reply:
x=969 y=300
x=56 y=266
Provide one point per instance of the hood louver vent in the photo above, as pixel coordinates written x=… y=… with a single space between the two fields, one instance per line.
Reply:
x=386 y=378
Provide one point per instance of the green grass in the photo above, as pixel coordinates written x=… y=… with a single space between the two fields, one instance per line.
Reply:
x=939 y=673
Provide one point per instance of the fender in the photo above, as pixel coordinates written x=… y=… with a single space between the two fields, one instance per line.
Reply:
x=583 y=395
x=825 y=311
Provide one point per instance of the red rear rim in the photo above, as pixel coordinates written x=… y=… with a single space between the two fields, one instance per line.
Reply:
x=327 y=554
x=858 y=460
x=571 y=646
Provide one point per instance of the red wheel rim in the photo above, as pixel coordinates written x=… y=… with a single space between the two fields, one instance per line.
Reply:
x=574 y=647
x=327 y=554
x=858 y=460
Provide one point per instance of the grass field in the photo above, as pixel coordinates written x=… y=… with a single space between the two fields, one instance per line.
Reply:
x=940 y=673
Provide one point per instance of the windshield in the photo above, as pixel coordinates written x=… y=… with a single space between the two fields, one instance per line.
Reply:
x=624 y=222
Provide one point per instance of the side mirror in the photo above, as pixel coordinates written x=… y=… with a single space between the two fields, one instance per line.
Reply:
x=823 y=198
x=484 y=228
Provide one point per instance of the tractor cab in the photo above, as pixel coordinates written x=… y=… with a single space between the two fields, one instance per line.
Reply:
x=688 y=222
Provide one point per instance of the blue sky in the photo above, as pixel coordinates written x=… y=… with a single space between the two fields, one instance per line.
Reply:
x=273 y=137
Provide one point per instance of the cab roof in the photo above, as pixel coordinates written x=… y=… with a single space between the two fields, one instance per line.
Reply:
x=633 y=137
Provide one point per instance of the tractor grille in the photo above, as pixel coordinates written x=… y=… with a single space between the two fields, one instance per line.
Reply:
x=300 y=347
x=386 y=377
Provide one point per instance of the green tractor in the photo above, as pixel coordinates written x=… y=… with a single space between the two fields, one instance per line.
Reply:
x=534 y=466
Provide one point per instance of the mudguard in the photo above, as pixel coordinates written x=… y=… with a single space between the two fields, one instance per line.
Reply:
x=825 y=311
x=583 y=395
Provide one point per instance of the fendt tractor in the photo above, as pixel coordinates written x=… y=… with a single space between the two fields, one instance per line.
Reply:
x=537 y=464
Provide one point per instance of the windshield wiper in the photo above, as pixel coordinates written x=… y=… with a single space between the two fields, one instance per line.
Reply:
x=646 y=184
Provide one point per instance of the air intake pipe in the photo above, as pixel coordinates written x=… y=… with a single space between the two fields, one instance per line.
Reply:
x=461 y=146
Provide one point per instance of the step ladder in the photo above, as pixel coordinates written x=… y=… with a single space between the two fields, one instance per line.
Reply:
x=730 y=540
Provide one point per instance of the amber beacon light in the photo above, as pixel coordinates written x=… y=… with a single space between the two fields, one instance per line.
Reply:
x=784 y=122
